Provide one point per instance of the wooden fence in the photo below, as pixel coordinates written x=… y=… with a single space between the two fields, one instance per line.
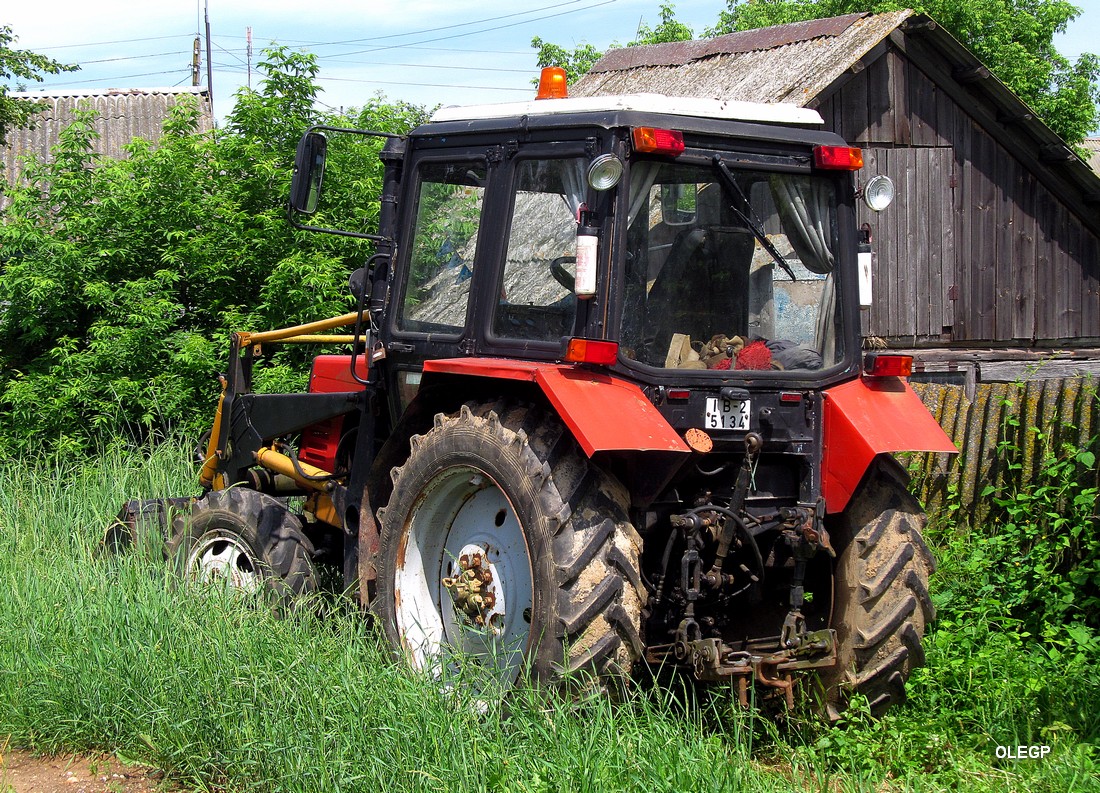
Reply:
x=1005 y=425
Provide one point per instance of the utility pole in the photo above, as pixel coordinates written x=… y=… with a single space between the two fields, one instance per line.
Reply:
x=209 y=67
x=248 y=52
x=195 y=55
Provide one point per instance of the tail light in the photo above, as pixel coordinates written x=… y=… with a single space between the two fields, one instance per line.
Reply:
x=650 y=140
x=887 y=365
x=838 y=158
x=604 y=353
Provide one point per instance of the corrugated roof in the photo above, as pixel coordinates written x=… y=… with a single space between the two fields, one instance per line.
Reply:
x=123 y=114
x=1092 y=145
x=786 y=63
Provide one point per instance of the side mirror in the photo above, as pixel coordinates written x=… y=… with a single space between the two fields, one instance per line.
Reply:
x=359 y=284
x=309 y=172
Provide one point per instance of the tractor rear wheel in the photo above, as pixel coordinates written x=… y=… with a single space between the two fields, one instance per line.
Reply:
x=247 y=540
x=503 y=545
x=881 y=605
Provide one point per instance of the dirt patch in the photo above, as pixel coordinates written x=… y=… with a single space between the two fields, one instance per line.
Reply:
x=23 y=772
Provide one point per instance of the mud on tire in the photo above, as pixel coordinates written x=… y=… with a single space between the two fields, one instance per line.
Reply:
x=882 y=606
x=510 y=480
x=248 y=539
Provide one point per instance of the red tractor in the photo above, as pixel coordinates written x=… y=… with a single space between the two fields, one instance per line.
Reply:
x=605 y=404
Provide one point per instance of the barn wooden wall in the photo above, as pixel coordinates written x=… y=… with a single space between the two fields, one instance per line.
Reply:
x=974 y=248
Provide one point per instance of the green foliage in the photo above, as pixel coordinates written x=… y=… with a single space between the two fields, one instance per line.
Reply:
x=1041 y=546
x=576 y=61
x=1015 y=38
x=580 y=59
x=122 y=279
x=670 y=29
x=21 y=65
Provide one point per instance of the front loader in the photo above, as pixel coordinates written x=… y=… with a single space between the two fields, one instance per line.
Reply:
x=602 y=403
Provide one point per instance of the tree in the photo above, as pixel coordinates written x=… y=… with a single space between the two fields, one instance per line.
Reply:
x=580 y=59
x=1014 y=38
x=22 y=65
x=122 y=279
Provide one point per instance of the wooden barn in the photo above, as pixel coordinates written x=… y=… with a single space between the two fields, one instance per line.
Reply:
x=989 y=259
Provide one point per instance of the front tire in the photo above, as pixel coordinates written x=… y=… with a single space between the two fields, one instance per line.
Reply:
x=882 y=606
x=246 y=540
x=501 y=542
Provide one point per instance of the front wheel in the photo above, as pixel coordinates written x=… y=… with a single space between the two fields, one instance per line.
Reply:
x=247 y=541
x=882 y=605
x=502 y=544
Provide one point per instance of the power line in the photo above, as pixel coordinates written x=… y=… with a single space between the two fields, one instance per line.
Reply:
x=347 y=42
x=423 y=85
x=106 y=43
x=473 y=32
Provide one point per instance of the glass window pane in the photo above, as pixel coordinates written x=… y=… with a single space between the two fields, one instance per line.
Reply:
x=444 y=245
x=536 y=297
x=703 y=292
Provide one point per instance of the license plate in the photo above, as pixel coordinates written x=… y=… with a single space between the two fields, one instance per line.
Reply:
x=727 y=414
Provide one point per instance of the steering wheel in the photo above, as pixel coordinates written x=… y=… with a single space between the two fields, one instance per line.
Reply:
x=561 y=275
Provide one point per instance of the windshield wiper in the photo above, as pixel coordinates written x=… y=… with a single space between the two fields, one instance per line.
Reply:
x=750 y=224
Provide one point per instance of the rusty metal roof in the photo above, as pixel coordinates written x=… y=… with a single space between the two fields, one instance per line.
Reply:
x=122 y=115
x=786 y=63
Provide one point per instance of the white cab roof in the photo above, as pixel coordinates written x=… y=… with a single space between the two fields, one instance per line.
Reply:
x=647 y=103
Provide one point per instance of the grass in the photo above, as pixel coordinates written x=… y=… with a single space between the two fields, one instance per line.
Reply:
x=109 y=655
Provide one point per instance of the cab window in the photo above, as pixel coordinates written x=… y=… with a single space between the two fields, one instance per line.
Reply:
x=449 y=201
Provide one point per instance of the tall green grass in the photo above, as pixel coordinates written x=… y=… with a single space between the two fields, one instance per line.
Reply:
x=109 y=654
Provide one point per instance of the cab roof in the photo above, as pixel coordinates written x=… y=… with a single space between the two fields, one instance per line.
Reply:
x=726 y=109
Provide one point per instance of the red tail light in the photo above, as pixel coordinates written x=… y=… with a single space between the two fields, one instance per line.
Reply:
x=838 y=158
x=884 y=365
x=650 y=140
x=604 y=353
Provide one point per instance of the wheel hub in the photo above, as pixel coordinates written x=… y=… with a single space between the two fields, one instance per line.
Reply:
x=225 y=559
x=469 y=586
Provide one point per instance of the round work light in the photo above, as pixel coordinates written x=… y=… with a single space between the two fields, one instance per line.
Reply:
x=604 y=172
x=878 y=193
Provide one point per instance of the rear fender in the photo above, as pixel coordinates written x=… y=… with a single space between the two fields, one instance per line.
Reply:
x=865 y=418
x=611 y=419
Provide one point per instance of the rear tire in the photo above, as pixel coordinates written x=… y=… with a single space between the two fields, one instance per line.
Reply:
x=882 y=605
x=247 y=540
x=559 y=557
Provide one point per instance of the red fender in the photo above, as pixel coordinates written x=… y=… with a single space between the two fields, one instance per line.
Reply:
x=867 y=417
x=603 y=412
x=606 y=415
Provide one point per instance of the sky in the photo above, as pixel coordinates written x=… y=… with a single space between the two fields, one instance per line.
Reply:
x=428 y=52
